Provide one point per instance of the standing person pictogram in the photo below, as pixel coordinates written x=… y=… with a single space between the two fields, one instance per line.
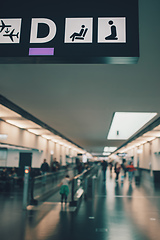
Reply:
x=79 y=35
x=113 y=35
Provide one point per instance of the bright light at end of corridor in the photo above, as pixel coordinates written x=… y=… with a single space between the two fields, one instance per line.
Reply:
x=109 y=149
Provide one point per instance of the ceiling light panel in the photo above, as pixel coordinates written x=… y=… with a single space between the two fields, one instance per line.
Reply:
x=23 y=123
x=157 y=128
x=48 y=136
x=152 y=134
x=140 y=139
x=125 y=124
x=6 y=112
x=39 y=131
x=106 y=153
x=109 y=149
x=58 y=137
x=150 y=139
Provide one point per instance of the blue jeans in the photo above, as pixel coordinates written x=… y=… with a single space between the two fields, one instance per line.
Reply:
x=130 y=176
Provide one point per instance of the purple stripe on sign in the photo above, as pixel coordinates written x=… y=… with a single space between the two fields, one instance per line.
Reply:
x=41 y=51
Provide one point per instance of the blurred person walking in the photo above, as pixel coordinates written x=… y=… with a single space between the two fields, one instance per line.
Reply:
x=117 y=170
x=104 y=165
x=131 y=169
x=44 y=170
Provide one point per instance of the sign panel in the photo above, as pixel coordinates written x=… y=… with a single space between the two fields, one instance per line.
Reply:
x=69 y=32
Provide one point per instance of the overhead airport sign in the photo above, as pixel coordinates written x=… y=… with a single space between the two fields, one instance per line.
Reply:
x=82 y=33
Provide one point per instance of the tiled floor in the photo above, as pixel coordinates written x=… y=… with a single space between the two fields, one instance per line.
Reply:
x=117 y=211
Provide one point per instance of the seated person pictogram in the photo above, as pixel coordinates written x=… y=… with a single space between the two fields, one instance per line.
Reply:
x=80 y=35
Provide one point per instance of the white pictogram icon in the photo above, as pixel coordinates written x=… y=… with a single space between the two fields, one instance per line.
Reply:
x=10 y=30
x=112 y=30
x=78 y=30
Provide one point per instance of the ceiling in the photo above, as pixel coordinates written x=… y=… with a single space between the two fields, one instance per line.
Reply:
x=79 y=100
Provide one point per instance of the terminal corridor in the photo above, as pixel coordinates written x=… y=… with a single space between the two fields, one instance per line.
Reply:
x=116 y=211
x=80 y=96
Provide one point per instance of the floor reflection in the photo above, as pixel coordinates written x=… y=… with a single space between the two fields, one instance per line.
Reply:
x=117 y=210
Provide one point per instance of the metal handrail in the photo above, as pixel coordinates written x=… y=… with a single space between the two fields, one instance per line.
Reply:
x=75 y=186
x=46 y=184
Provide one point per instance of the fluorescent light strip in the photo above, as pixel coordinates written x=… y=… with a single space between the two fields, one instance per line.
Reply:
x=6 y=112
x=152 y=134
x=125 y=124
x=109 y=149
x=22 y=123
x=30 y=126
x=39 y=131
x=48 y=137
x=106 y=153
x=157 y=128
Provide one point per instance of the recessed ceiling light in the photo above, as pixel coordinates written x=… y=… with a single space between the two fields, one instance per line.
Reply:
x=125 y=124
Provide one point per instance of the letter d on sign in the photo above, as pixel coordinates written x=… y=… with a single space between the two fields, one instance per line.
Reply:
x=34 y=30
